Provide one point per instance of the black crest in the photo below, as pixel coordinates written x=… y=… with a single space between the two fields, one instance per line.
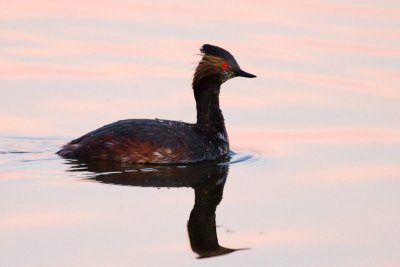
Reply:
x=216 y=51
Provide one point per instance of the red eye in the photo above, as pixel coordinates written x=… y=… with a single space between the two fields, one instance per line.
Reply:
x=224 y=66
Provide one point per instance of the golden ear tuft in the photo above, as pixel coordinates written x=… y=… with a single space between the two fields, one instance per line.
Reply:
x=208 y=65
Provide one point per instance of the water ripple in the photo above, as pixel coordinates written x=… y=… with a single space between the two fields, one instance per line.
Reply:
x=242 y=157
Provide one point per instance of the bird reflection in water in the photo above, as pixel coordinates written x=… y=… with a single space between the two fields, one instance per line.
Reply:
x=207 y=180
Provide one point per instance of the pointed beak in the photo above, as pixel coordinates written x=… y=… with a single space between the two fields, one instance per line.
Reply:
x=242 y=73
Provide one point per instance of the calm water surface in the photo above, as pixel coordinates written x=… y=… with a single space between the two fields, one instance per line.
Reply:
x=314 y=179
x=326 y=204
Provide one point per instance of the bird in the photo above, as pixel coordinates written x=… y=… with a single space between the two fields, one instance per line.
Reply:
x=157 y=141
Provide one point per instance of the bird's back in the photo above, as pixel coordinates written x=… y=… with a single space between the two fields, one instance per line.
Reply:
x=142 y=141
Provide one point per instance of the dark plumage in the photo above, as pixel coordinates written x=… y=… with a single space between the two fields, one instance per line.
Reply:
x=216 y=51
x=164 y=141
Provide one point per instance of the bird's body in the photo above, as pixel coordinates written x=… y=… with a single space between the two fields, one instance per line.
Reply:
x=164 y=141
x=149 y=141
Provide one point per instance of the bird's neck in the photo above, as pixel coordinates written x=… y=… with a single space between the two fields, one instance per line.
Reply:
x=209 y=115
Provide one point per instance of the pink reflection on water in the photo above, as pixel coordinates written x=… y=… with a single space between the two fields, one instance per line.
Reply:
x=23 y=70
x=20 y=70
x=42 y=219
x=124 y=9
x=386 y=76
x=276 y=238
x=270 y=99
x=352 y=174
x=344 y=9
x=275 y=141
x=19 y=35
x=23 y=125
x=320 y=135
x=48 y=45
x=368 y=86
x=352 y=47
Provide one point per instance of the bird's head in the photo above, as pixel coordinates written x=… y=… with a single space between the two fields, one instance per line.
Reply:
x=217 y=65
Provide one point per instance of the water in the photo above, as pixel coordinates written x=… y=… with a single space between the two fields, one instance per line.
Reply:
x=314 y=177
x=327 y=202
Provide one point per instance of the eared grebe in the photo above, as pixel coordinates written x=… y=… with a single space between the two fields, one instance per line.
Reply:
x=164 y=141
